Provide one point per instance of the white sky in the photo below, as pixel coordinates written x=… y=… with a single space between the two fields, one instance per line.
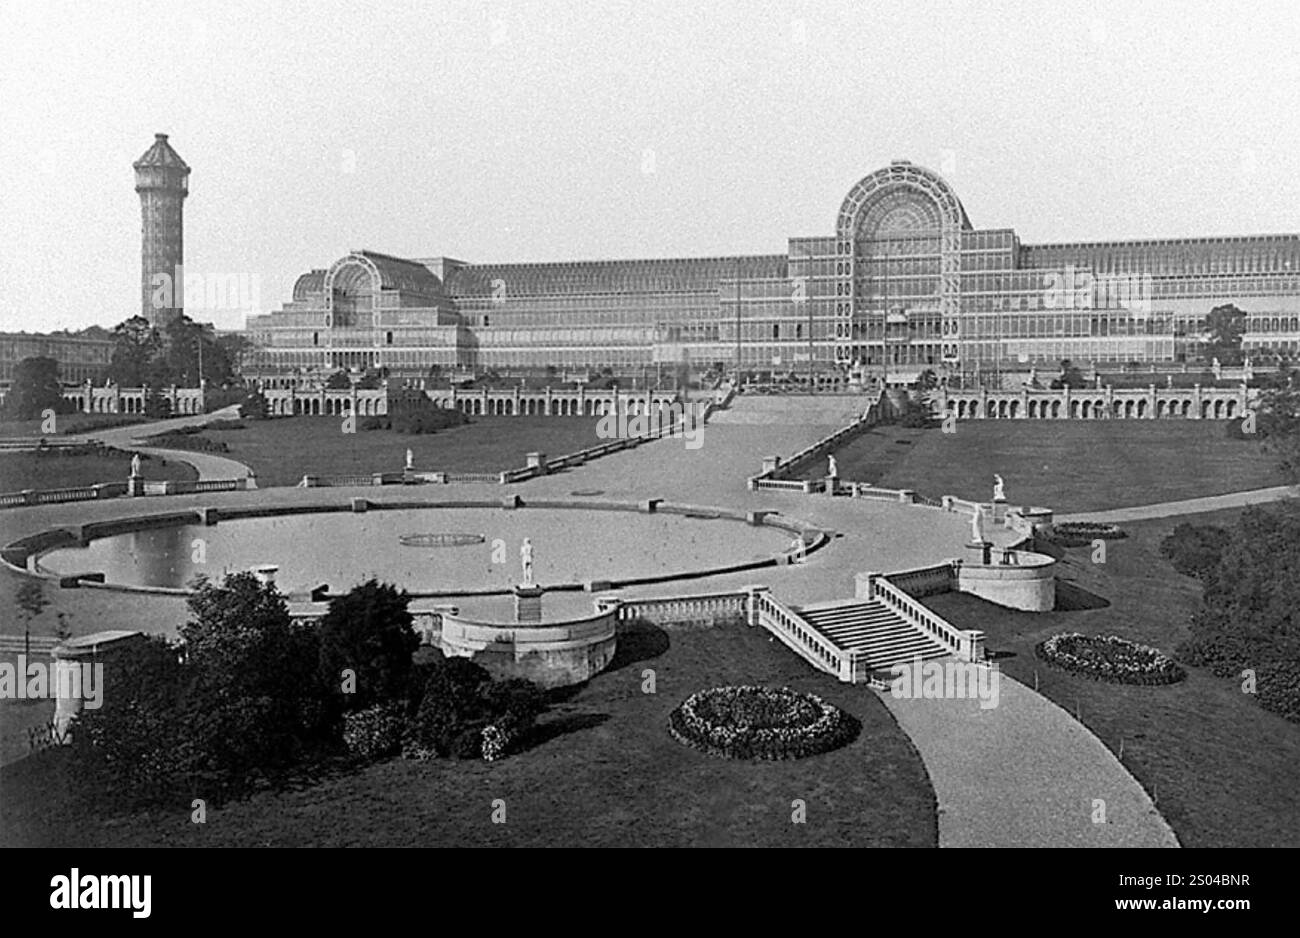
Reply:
x=555 y=130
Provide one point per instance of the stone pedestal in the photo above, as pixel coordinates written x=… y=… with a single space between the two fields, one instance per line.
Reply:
x=999 y=510
x=135 y=486
x=528 y=604
x=85 y=656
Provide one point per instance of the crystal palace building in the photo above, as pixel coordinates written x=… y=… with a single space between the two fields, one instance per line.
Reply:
x=904 y=282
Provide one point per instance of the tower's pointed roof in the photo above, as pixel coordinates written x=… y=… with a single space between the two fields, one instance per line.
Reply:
x=161 y=154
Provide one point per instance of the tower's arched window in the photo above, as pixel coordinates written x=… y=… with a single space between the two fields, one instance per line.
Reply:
x=390 y=338
x=315 y=338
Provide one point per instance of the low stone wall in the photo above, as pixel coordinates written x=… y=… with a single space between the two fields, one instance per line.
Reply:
x=552 y=654
x=1028 y=585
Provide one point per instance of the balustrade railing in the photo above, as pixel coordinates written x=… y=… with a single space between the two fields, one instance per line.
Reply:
x=918 y=615
x=800 y=635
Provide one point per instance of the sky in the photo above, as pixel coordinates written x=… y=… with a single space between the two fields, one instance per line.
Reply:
x=517 y=132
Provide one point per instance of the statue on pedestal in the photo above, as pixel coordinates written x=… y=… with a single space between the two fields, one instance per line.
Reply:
x=135 y=466
x=410 y=460
x=999 y=489
x=833 y=469
x=977 y=527
x=526 y=558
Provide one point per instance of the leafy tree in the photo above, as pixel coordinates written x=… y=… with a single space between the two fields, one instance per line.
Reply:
x=254 y=406
x=1071 y=377
x=1225 y=326
x=372 y=380
x=1278 y=425
x=927 y=380
x=339 y=381
x=35 y=388
x=369 y=632
x=234 y=347
x=136 y=343
x=156 y=407
x=189 y=345
x=31 y=601
x=137 y=747
x=258 y=704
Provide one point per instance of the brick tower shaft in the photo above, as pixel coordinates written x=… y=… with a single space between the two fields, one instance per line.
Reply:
x=162 y=179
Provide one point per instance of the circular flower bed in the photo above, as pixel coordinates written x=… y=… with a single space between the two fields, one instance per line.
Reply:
x=439 y=540
x=1082 y=533
x=761 y=723
x=1109 y=658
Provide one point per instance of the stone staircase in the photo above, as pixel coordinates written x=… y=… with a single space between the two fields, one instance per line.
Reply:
x=872 y=630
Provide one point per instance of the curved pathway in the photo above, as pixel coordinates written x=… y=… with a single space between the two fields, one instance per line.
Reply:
x=1025 y=774
x=208 y=465
x=1187 y=506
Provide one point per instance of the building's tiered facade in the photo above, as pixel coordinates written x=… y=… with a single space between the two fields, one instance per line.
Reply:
x=82 y=356
x=905 y=280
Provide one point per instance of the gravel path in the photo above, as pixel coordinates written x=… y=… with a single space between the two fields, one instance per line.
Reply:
x=208 y=465
x=1025 y=774
x=1188 y=506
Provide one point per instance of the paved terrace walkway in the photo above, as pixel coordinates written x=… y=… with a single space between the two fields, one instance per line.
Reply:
x=1188 y=506
x=1024 y=773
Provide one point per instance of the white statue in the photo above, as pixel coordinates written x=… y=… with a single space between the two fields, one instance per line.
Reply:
x=977 y=527
x=410 y=460
x=999 y=489
x=526 y=558
x=135 y=466
x=833 y=470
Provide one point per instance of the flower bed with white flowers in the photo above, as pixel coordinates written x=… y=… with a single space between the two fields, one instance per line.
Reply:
x=1109 y=658
x=1083 y=533
x=761 y=723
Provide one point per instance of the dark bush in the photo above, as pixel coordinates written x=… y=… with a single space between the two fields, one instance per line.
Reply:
x=368 y=631
x=1195 y=549
x=461 y=712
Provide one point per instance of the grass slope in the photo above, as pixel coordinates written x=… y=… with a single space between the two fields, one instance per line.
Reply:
x=1065 y=465
x=283 y=450
x=1224 y=771
x=607 y=773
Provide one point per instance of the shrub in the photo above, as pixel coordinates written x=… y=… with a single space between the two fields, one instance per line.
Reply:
x=1109 y=658
x=189 y=439
x=461 y=712
x=369 y=632
x=373 y=733
x=761 y=723
x=1195 y=549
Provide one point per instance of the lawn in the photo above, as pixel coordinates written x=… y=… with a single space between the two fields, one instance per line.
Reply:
x=283 y=450
x=605 y=773
x=66 y=423
x=1065 y=465
x=1225 y=772
x=51 y=470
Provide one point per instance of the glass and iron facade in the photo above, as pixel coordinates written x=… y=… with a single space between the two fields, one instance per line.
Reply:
x=904 y=282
